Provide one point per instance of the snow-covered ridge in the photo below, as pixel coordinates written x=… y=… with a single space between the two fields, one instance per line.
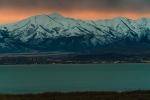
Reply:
x=44 y=28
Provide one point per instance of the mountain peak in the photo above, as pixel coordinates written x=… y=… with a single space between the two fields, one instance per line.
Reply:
x=47 y=33
x=145 y=18
x=56 y=16
x=120 y=18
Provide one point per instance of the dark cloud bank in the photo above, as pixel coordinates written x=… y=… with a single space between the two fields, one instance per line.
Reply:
x=70 y=5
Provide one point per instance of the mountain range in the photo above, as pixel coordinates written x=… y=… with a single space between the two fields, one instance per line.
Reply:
x=51 y=33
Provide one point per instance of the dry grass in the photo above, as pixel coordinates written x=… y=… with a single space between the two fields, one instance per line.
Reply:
x=129 y=95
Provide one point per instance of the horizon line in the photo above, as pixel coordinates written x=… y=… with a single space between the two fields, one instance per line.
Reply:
x=74 y=18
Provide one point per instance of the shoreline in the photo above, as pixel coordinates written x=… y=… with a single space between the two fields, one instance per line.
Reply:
x=87 y=95
x=74 y=64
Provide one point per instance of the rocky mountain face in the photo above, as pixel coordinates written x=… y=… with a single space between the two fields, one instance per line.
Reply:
x=48 y=33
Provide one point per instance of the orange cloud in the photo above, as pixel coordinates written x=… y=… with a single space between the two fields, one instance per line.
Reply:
x=92 y=15
x=12 y=15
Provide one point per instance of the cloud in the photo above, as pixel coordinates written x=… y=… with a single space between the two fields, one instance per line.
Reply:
x=141 y=6
x=15 y=10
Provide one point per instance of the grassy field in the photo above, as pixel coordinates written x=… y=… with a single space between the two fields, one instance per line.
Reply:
x=129 y=95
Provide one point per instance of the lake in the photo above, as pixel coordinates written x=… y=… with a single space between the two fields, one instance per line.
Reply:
x=20 y=79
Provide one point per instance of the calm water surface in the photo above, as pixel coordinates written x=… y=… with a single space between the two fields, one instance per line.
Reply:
x=67 y=78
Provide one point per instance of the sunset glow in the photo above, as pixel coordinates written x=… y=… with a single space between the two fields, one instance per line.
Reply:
x=14 y=15
x=16 y=10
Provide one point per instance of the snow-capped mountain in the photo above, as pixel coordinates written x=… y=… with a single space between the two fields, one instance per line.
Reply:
x=56 y=33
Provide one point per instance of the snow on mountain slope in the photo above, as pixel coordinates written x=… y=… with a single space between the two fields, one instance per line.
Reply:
x=122 y=26
x=47 y=31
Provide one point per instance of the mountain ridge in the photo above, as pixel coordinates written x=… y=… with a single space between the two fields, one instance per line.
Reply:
x=54 y=32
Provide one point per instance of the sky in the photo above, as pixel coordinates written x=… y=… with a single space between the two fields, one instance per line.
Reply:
x=15 y=10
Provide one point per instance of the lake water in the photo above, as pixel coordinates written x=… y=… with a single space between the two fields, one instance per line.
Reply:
x=66 y=78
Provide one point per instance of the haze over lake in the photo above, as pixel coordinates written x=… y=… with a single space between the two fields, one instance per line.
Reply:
x=16 y=79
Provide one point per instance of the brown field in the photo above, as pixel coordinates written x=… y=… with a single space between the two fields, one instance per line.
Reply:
x=128 y=95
